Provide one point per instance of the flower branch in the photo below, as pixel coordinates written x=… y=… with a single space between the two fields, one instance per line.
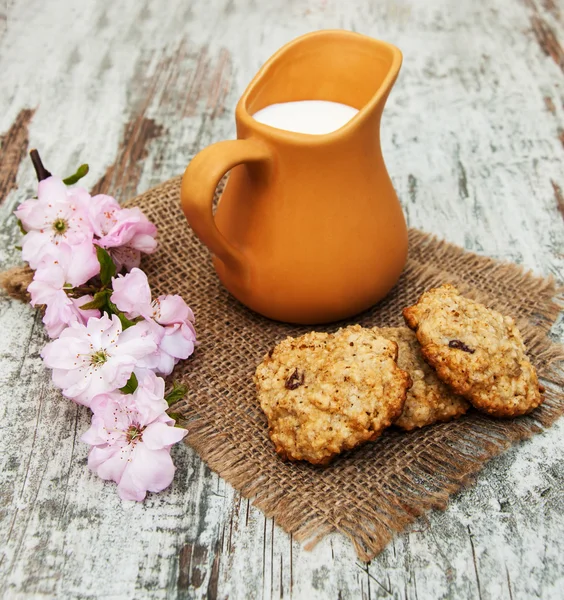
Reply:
x=111 y=340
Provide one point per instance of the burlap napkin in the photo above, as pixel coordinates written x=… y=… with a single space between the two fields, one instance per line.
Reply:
x=376 y=490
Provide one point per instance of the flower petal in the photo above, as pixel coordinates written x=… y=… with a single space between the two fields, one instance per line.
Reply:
x=83 y=264
x=46 y=283
x=25 y=210
x=159 y=362
x=149 y=398
x=178 y=341
x=109 y=337
x=125 y=257
x=148 y=470
x=95 y=328
x=102 y=211
x=115 y=372
x=110 y=462
x=144 y=242
x=160 y=435
x=65 y=353
x=59 y=313
x=95 y=436
x=134 y=341
x=34 y=245
x=172 y=309
x=132 y=294
x=84 y=315
x=52 y=189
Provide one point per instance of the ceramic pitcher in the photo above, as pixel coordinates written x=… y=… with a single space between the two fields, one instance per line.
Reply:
x=309 y=228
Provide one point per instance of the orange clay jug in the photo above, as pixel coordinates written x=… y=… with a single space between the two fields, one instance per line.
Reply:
x=309 y=228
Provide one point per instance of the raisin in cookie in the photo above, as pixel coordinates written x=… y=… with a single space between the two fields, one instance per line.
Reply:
x=429 y=400
x=325 y=393
x=477 y=351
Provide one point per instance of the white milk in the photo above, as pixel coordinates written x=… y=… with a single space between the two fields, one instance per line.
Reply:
x=307 y=116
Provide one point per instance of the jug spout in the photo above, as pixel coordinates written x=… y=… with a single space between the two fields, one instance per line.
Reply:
x=335 y=65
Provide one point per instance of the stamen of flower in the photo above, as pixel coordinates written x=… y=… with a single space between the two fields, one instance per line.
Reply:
x=60 y=226
x=134 y=434
x=156 y=306
x=98 y=358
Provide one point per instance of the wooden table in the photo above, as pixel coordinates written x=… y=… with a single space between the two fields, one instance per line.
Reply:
x=473 y=136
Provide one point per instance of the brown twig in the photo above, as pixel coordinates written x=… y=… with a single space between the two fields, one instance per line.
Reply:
x=40 y=170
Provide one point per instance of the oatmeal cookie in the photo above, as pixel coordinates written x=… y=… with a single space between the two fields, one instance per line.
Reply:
x=429 y=400
x=325 y=393
x=477 y=351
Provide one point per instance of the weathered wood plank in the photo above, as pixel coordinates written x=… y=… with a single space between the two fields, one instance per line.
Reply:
x=13 y=145
x=472 y=136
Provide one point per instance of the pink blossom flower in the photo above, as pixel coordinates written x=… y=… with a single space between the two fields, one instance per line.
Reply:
x=24 y=210
x=124 y=232
x=174 y=343
x=169 y=320
x=133 y=229
x=132 y=294
x=63 y=268
x=102 y=211
x=77 y=263
x=60 y=310
x=131 y=436
x=125 y=257
x=149 y=395
x=58 y=215
x=171 y=310
x=96 y=358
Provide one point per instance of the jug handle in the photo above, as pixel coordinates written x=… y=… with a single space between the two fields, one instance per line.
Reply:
x=198 y=187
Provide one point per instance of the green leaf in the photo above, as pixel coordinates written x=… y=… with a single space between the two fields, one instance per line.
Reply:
x=80 y=173
x=131 y=385
x=174 y=415
x=20 y=225
x=112 y=309
x=107 y=266
x=99 y=301
x=125 y=322
x=177 y=393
